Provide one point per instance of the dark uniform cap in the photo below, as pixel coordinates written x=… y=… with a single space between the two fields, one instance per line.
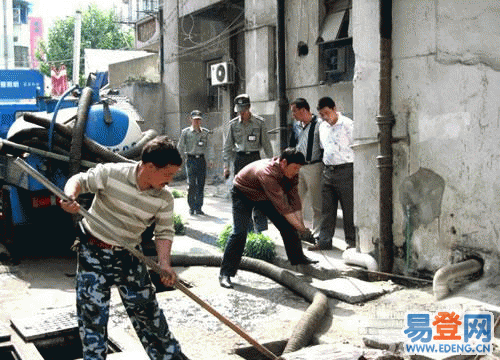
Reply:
x=241 y=102
x=196 y=114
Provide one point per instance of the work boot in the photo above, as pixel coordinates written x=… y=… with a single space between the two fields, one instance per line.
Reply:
x=225 y=281
x=304 y=261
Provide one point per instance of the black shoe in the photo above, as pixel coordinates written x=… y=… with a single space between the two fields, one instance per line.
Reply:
x=191 y=212
x=200 y=212
x=225 y=281
x=305 y=261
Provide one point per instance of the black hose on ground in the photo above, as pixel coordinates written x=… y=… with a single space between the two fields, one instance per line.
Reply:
x=310 y=321
x=82 y=114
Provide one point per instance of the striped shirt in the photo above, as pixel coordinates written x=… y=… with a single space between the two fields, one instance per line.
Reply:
x=123 y=207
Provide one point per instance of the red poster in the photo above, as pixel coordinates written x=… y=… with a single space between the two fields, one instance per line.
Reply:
x=36 y=35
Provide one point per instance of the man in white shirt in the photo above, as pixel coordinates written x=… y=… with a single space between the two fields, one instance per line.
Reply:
x=336 y=138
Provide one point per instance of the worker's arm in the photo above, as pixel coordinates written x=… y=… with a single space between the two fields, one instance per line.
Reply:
x=296 y=220
x=72 y=189
x=163 y=249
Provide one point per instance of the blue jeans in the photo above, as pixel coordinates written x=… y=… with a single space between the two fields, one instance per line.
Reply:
x=99 y=269
x=242 y=215
x=196 y=169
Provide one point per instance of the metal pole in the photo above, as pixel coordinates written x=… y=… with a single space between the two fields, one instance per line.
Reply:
x=283 y=101
x=138 y=254
x=76 y=47
x=44 y=153
x=385 y=121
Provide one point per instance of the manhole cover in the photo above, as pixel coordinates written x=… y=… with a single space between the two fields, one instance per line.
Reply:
x=46 y=325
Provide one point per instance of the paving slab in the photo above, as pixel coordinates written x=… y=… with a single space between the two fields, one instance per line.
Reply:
x=352 y=290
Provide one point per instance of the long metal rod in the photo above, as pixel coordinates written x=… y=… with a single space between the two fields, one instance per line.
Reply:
x=153 y=265
x=44 y=153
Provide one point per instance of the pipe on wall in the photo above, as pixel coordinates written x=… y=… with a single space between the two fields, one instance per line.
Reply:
x=282 y=99
x=385 y=122
x=449 y=273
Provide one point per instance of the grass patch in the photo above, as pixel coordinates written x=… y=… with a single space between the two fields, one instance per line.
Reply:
x=178 y=193
x=258 y=246
x=179 y=225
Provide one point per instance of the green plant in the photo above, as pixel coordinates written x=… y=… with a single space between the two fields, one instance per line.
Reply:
x=177 y=193
x=258 y=246
x=179 y=225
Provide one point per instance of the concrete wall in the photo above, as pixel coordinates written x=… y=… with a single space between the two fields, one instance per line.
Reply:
x=147 y=99
x=100 y=60
x=303 y=19
x=445 y=101
x=144 y=69
x=366 y=44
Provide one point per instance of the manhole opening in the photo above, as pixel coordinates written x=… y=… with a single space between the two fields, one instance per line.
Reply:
x=68 y=344
x=251 y=353
x=9 y=353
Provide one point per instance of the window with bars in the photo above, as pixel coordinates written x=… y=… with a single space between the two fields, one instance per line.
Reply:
x=21 y=57
x=335 y=43
x=17 y=15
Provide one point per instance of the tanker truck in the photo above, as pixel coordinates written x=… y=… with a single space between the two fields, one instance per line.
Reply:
x=58 y=137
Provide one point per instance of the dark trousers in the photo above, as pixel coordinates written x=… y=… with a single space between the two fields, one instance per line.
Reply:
x=196 y=169
x=259 y=222
x=242 y=215
x=337 y=186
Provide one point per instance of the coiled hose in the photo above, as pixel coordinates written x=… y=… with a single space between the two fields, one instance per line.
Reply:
x=312 y=318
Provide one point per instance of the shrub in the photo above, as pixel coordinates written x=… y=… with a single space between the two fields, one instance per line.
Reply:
x=258 y=246
x=177 y=193
x=179 y=225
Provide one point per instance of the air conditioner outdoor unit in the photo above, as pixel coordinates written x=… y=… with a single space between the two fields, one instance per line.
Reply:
x=222 y=73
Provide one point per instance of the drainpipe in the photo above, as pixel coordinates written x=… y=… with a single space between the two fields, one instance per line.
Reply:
x=162 y=69
x=385 y=122
x=447 y=274
x=283 y=101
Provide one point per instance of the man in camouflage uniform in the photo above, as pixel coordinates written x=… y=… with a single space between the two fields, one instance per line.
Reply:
x=247 y=134
x=129 y=197
x=195 y=147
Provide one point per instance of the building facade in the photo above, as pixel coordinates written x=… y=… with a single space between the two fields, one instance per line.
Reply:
x=440 y=88
x=15 y=35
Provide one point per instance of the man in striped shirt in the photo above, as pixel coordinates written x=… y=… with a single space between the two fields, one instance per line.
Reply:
x=129 y=197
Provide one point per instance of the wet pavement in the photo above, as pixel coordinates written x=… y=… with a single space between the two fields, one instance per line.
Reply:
x=264 y=309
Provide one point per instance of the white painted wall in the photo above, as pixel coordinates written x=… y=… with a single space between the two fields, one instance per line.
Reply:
x=446 y=71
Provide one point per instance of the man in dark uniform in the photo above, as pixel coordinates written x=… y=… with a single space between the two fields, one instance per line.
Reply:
x=195 y=148
x=271 y=186
x=247 y=134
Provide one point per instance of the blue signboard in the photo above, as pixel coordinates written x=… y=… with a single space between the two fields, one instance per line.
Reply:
x=20 y=84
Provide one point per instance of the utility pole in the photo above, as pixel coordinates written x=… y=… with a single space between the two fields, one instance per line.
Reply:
x=283 y=101
x=76 y=47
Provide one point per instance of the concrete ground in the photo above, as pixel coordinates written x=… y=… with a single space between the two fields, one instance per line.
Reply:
x=38 y=289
